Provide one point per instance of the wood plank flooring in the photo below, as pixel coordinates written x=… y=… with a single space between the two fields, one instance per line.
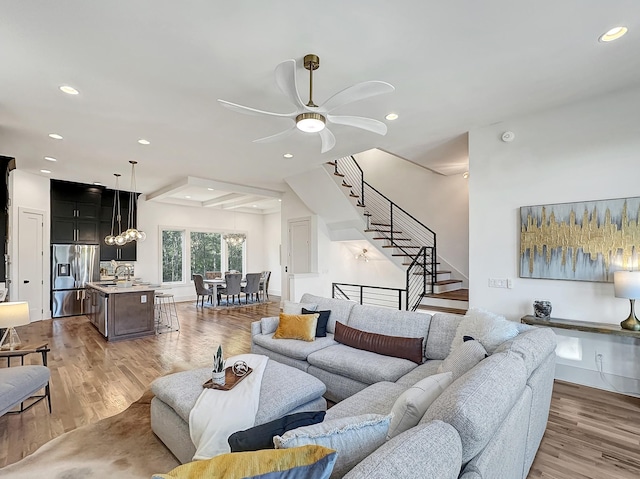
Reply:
x=591 y=433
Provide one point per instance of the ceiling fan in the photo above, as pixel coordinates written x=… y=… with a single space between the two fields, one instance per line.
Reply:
x=312 y=118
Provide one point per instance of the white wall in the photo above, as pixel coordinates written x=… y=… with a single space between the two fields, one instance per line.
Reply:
x=439 y=202
x=271 y=251
x=580 y=152
x=154 y=215
x=33 y=192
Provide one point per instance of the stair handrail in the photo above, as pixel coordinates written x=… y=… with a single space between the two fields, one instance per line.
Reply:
x=428 y=237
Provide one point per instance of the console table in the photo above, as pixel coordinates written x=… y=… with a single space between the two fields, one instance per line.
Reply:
x=571 y=324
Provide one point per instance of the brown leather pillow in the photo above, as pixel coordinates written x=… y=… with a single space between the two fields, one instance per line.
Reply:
x=396 y=346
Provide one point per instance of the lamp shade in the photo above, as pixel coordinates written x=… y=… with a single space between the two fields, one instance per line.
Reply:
x=14 y=314
x=626 y=284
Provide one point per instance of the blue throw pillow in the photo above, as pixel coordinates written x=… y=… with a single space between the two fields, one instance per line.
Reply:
x=323 y=319
x=261 y=437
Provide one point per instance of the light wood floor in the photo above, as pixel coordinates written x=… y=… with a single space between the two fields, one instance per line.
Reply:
x=591 y=433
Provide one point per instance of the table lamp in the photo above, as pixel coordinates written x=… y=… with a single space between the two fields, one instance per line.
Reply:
x=626 y=284
x=11 y=315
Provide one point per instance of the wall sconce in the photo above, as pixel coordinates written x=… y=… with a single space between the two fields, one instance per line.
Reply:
x=363 y=255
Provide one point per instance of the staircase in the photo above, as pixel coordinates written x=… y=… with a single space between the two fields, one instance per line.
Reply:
x=407 y=241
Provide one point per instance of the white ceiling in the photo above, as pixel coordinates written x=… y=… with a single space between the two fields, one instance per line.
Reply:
x=154 y=69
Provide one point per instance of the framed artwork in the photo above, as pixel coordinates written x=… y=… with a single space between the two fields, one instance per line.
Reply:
x=584 y=241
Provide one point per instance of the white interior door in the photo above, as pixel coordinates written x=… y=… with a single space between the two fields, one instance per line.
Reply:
x=31 y=262
x=300 y=246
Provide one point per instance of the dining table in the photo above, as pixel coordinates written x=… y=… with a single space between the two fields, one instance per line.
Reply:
x=221 y=283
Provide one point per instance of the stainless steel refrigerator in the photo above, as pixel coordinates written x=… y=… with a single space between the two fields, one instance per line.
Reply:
x=72 y=266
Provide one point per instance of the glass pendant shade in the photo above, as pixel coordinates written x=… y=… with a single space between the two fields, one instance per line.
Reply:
x=234 y=239
x=141 y=236
x=120 y=240
x=110 y=240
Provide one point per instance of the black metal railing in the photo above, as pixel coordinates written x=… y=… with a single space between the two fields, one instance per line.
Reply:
x=409 y=238
x=369 y=295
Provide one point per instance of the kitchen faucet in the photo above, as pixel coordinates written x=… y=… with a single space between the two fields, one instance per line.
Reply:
x=127 y=267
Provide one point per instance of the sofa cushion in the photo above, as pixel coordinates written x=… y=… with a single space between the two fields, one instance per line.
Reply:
x=308 y=462
x=490 y=329
x=340 y=309
x=414 y=402
x=289 y=307
x=363 y=366
x=390 y=322
x=297 y=326
x=353 y=438
x=429 y=451
x=396 y=346
x=477 y=403
x=378 y=398
x=293 y=348
x=261 y=437
x=323 y=319
x=533 y=346
x=268 y=325
x=441 y=332
x=463 y=359
x=424 y=370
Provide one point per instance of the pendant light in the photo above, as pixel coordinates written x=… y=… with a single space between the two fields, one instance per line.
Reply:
x=132 y=234
x=111 y=239
x=234 y=239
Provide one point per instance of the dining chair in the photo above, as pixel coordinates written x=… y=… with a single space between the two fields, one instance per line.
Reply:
x=264 y=284
x=252 y=287
x=232 y=287
x=201 y=289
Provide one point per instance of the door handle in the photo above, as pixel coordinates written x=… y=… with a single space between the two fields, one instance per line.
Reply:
x=26 y=281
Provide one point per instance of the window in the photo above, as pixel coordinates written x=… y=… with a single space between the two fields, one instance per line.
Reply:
x=206 y=252
x=172 y=256
x=186 y=252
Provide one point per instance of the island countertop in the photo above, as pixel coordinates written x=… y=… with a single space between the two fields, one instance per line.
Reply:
x=108 y=287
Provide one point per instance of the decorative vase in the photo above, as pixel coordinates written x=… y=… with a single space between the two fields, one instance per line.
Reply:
x=542 y=309
x=218 y=377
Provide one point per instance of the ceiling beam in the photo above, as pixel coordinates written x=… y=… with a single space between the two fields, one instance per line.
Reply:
x=220 y=200
x=246 y=200
x=168 y=190
x=233 y=187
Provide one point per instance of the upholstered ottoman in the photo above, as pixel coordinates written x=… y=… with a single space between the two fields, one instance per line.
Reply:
x=284 y=390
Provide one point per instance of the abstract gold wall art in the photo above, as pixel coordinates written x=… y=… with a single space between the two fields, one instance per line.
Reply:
x=584 y=241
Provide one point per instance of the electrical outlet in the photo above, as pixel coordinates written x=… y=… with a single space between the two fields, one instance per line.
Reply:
x=509 y=283
x=143 y=298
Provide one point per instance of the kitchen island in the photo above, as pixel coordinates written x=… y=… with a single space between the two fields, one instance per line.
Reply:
x=121 y=313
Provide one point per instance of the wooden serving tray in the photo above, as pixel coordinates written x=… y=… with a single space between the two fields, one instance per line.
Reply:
x=231 y=380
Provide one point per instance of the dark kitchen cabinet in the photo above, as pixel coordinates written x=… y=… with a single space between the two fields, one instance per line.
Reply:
x=75 y=211
x=127 y=252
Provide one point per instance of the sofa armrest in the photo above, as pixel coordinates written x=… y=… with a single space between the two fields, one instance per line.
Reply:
x=256 y=328
x=431 y=450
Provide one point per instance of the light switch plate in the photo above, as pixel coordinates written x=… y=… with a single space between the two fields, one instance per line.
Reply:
x=143 y=298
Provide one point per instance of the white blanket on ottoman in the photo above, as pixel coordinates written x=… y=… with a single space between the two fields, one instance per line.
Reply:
x=218 y=414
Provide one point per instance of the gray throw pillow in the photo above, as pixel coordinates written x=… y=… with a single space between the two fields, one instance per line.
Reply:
x=289 y=307
x=463 y=358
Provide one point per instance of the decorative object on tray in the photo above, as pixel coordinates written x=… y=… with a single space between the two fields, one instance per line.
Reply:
x=586 y=241
x=231 y=380
x=218 y=372
x=240 y=368
x=542 y=309
x=626 y=284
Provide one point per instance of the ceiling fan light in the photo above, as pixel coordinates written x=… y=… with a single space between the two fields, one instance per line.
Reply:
x=310 y=122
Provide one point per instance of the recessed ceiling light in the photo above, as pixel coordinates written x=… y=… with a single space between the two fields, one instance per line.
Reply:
x=465 y=174
x=45 y=171
x=255 y=206
x=613 y=34
x=97 y=183
x=50 y=158
x=392 y=116
x=69 y=90
x=210 y=189
x=142 y=141
x=188 y=197
x=55 y=136
x=288 y=155
x=279 y=199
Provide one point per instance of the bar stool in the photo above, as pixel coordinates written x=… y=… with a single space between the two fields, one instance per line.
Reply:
x=166 y=313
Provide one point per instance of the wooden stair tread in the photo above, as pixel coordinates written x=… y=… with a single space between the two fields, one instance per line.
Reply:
x=346 y=185
x=447 y=281
x=394 y=239
x=457 y=295
x=382 y=231
x=352 y=195
x=437 y=272
x=403 y=246
x=332 y=163
x=339 y=174
x=409 y=264
x=442 y=309
x=375 y=223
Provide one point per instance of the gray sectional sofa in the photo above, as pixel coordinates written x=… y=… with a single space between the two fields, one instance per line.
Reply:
x=487 y=424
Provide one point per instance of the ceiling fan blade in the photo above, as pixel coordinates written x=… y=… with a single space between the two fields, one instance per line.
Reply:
x=328 y=140
x=368 y=124
x=286 y=80
x=356 y=92
x=253 y=111
x=277 y=136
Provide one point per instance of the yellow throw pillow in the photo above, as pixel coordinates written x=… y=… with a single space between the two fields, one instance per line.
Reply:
x=306 y=462
x=297 y=326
